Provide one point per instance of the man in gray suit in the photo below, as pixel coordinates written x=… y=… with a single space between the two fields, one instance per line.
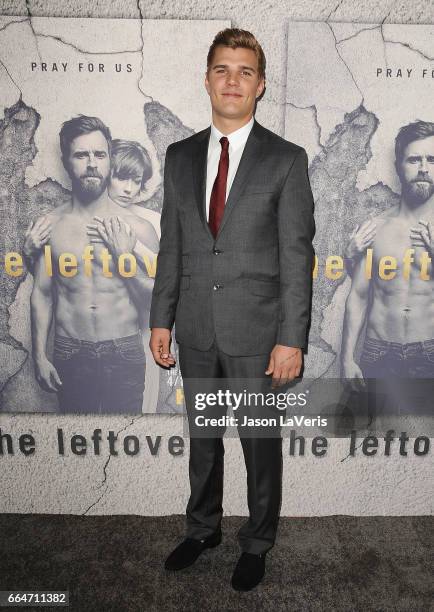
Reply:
x=234 y=273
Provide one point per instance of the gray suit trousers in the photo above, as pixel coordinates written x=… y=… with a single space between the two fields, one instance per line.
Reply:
x=262 y=453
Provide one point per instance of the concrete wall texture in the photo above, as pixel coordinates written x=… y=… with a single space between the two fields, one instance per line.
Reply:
x=48 y=482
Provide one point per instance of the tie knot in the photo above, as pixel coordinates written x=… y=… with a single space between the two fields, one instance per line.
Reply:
x=224 y=143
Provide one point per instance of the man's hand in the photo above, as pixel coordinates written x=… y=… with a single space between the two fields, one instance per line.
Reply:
x=285 y=364
x=47 y=376
x=360 y=239
x=37 y=234
x=423 y=236
x=353 y=376
x=117 y=235
x=160 y=346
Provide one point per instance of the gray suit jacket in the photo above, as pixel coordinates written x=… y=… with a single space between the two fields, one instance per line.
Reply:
x=251 y=287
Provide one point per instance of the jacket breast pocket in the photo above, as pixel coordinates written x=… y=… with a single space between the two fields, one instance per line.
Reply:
x=257 y=190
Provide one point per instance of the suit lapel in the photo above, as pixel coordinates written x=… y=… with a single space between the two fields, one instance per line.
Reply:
x=252 y=154
x=200 y=156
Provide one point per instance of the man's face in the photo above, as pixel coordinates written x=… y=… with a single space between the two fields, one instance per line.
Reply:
x=233 y=82
x=125 y=191
x=89 y=165
x=417 y=171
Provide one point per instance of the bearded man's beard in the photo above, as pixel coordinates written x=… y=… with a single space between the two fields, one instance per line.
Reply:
x=88 y=187
x=418 y=191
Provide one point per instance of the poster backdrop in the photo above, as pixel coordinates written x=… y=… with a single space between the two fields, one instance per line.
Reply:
x=347 y=96
x=125 y=73
x=351 y=88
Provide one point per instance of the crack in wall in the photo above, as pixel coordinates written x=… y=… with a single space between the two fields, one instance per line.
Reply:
x=29 y=14
x=341 y=40
x=94 y=503
x=69 y=44
x=385 y=40
x=349 y=454
x=139 y=8
x=384 y=46
x=406 y=45
x=388 y=13
x=334 y=10
x=377 y=27
x=346 y=65
x=104 y=480
x=13 y=81
x=314 y=110
x=84 y=51
x=12 y=22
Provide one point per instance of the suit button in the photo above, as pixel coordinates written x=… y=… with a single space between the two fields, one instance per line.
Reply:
x=216 y=251
x=217 y=286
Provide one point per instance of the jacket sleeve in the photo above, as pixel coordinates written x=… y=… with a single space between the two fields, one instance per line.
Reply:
x=166 y=287
x=296 y=232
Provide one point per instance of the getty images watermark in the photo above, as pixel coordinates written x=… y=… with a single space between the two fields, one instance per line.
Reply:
x=249 y=401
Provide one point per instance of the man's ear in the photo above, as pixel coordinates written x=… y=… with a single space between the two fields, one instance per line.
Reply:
x=260 y=88
x=206 y=82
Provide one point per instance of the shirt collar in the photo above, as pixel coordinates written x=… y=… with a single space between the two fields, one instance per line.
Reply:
x=237 y=138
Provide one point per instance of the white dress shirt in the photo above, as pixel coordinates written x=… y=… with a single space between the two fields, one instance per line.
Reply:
x=237 y=142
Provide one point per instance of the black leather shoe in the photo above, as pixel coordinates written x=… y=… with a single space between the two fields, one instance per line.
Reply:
x=189 y=550
x=248 y=572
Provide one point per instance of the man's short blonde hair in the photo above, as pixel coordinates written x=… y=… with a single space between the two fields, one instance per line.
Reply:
x=234 y=38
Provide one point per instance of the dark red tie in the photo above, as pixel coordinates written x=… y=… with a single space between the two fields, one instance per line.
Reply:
x=218 y=194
